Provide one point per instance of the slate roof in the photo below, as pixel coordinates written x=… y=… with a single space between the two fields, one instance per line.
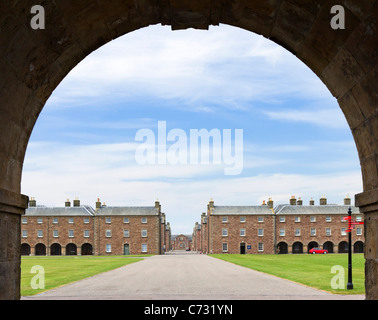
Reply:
x=319 y=209
x=127 y=211
x=241 y=210
x=59 y=211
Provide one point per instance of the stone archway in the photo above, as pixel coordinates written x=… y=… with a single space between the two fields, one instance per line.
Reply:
x=35 y=61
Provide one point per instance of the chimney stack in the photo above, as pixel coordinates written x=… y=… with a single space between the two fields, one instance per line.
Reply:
x=293 y=201
x=270 y=203
x=76 y=202
x=323 y=201
x=347 y=201
x=211 y=203
x=98 y=203
x=67 y=203
x=312 y=202
x=32 y=202
x=299 y=202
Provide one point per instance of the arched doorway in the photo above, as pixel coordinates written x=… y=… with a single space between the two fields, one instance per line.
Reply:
x=25 y=249
x=40 y=249
x=358 y=247
x=86 y=249
x=297 y=247
x=71 y=249
x=328 y=246
x=343 y=247
x=312 y=244
x=36 y=61
x=55 y=249
x=282 y=248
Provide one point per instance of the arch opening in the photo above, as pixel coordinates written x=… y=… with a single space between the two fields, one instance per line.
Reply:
x=345 y=61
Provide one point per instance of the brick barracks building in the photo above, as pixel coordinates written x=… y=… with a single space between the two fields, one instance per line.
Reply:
x=287 y=228
x=82 y=230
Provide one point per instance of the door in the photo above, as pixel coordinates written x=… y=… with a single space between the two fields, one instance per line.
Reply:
x=126 y=249
x=242 y=248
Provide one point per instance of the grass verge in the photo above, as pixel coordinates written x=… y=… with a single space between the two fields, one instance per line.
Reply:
x=311 y=270
x=61 y=270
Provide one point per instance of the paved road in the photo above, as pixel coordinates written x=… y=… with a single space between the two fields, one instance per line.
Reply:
x=183 y=276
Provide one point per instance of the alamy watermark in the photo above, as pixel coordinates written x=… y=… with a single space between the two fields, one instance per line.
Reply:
x=38 y=281
x=202 y=146
x=338 y=281
x=38 y=20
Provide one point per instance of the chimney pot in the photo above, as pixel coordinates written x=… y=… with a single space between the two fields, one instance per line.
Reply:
x=347 y=201
x=32 y=202
x=67 y=203
x=76 y=202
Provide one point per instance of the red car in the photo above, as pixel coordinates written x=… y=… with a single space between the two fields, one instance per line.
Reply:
x=318 y=250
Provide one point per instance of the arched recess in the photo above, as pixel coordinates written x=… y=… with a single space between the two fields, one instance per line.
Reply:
x=33 y=62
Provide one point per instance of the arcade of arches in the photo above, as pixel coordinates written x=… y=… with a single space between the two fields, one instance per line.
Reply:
x=33 y=62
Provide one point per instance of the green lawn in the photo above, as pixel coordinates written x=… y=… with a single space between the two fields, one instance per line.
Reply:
x=308 y=269
x=61 y=270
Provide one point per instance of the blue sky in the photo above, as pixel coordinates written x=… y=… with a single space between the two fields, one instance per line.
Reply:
x=296 y=140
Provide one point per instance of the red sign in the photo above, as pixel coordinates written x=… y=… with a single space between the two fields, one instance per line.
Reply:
x=351 y=223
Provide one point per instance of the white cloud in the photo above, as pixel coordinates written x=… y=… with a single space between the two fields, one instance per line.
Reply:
x=331 y=118
x=225 y=66
x=54 y=172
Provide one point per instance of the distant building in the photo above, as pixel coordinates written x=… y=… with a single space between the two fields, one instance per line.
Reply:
x=181 y=242
x=287 y=228
x=82 y=230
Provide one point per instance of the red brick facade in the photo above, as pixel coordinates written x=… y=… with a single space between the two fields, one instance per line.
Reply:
x=291 y=228
x=81 y=230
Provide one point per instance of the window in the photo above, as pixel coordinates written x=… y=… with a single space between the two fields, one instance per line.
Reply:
x=297 y=232
x=260 y=232
x=126 y=220
x=39 y=220
x=24 y=220
x=55 y=233
x=260 y=219
x=224 y=219
x=126 y=233
x=328 y=219
x=224 y=232
x=260 y=247
x=70 y=233
x=108 y=233
x=242 y=219
x=70 y=220
x=328 y=232
x=358 y=218
x=144 y=233
x=359 y=231
x=108 y=248
x=242 y=232
x=55 y=220
x=282 y=219
x=282 y=232
x=86 y=220
x=144 y=220
x=312 y=219
x=343 y=231
x=224 y=247
x=24 y=233
x=86 y=233
x=144 y=247
x=108 y=220
x=39 y=233
x=297 y=219
x=313 y=232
